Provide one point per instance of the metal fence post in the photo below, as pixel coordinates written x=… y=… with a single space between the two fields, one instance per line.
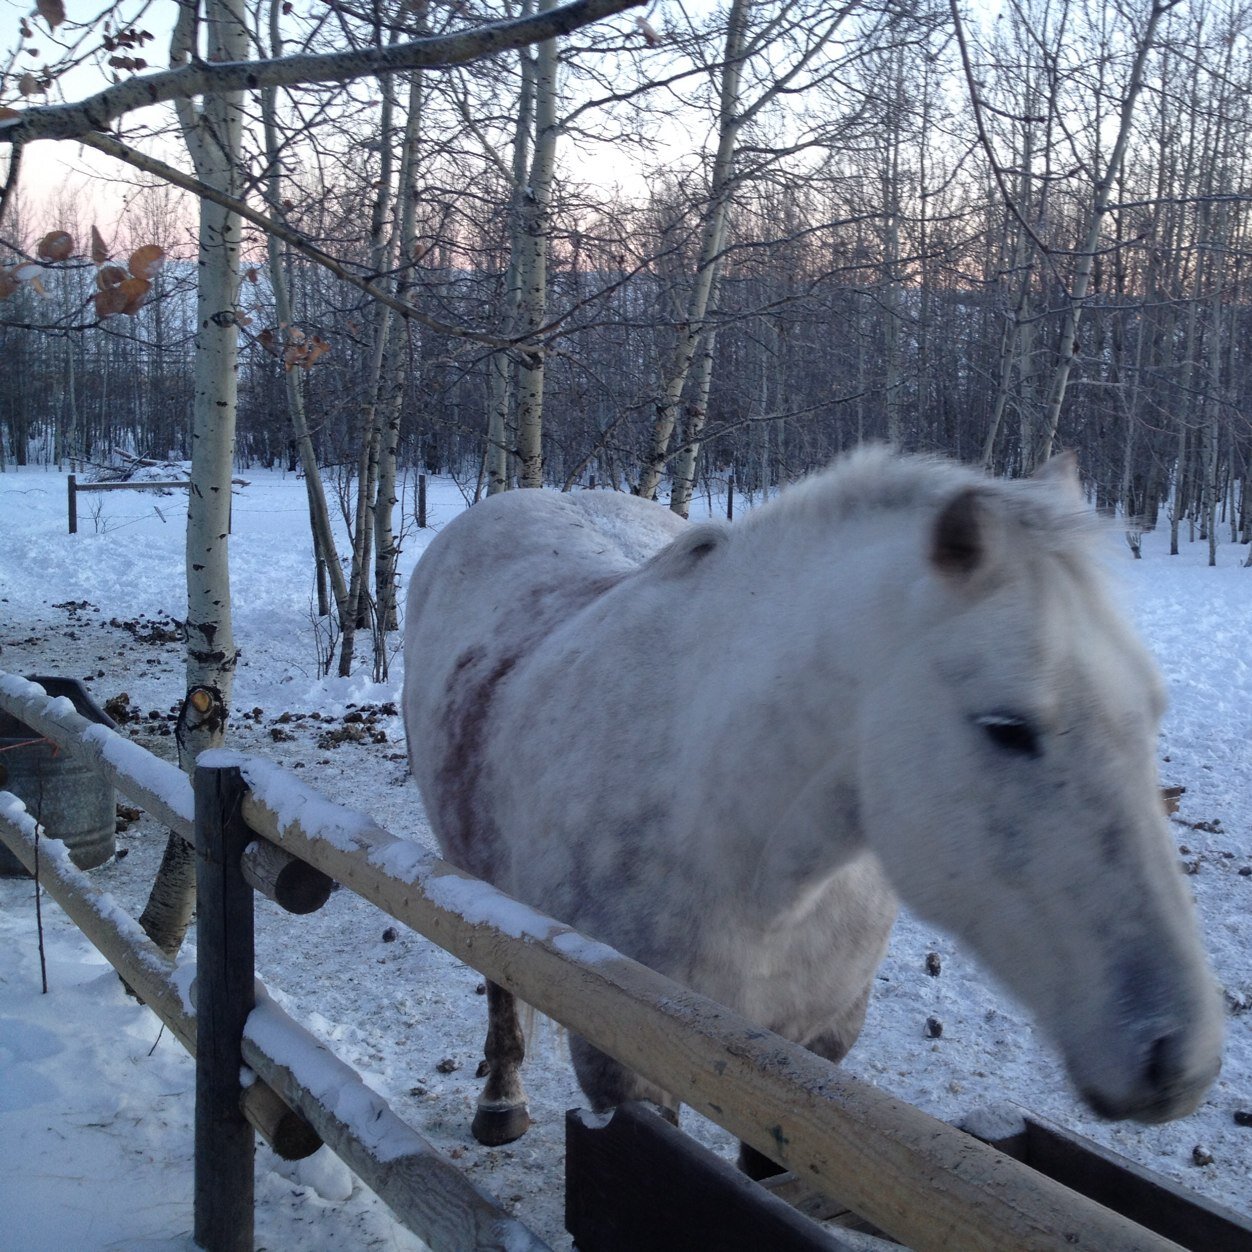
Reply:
x=224 y=1143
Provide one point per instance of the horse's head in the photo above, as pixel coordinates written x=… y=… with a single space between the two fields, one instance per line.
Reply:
x=1009 y=787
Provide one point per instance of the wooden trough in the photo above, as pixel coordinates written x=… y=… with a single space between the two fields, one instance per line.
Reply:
x=925 y=1183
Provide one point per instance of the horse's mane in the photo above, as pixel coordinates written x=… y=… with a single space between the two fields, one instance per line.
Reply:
x=873 y=480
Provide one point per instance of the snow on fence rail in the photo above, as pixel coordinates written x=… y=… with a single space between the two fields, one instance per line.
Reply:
x=924 y=1182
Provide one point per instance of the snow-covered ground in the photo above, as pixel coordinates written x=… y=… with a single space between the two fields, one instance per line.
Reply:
x=96 y=1100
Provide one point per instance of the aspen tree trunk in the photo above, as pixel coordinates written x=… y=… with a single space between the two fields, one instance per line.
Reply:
x=1086 y=259
x=502 y=363
x=533 y=267
x=213 y=137
x=684 y=472
x=1220 y=162
x=1016 y=340
x=67 y=428
x=889 y=291
x=1210 y=435
x=324 y=548
x=1186 y=410
x=711 y=242
x=381 y=253
x=386 y=551
x=1194 y=151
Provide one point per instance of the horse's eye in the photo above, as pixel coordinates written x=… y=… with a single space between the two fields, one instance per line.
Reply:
x=1009 y=733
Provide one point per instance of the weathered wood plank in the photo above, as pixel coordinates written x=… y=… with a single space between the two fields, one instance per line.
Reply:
x=634 y=1181
x=1141 y=1194
x=225 y=1146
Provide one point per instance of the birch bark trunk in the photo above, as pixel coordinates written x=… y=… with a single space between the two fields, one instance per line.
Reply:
x=502 y=367
x=324 y=547
x=712 y=240
x=386 y=548
x=533 y=267
x=1086 y=259
x=214 y=139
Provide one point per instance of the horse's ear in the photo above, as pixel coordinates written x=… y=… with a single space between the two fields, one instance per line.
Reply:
x=1061 y=471
x=690 y=548
x=959 y=541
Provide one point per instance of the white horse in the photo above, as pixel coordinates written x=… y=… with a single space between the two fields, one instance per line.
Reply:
x=726 y=751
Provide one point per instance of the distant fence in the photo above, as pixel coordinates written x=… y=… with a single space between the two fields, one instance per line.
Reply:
x=924 y=1182
x=73 y=487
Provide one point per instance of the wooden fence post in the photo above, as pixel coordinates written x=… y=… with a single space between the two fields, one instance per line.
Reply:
x=224 y=1143
x=421 y=502
x=730 y=499
x=71 y=484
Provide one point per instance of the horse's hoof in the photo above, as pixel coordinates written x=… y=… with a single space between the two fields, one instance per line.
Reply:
x=499 y=1124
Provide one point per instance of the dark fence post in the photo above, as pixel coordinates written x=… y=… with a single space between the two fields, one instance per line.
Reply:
x=421 y=502
x=224 y=1143
x=730 y=499
x=72 y=485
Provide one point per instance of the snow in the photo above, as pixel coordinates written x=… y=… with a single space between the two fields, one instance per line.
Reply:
x=479 y=903
x=96 y=1100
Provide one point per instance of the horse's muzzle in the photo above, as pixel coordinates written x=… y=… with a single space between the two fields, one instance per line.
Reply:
x=1171 y=1083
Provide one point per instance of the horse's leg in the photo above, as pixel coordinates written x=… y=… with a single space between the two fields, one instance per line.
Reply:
x=608 y=1083
x=502 y=1114
x=834 y=1043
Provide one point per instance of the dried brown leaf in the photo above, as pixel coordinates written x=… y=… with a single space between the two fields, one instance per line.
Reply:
x=8 y=284
x=99 y=250
x=109 y=301
x=146 y=262
x=56 y=245
x=110 y=276
x=317 y=349
x=134 y=289
x=52 y=12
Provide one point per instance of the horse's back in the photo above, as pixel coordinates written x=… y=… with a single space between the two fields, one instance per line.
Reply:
x=490 y=587
x=521 y=539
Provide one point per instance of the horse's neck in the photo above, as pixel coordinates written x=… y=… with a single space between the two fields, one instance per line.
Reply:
x=780 y=652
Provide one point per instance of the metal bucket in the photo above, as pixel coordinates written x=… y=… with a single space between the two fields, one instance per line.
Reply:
x=74 y=802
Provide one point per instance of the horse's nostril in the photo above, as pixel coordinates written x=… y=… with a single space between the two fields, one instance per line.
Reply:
x=1164 y=1063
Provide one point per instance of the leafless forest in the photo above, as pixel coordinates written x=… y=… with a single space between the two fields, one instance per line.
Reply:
x=704 y=241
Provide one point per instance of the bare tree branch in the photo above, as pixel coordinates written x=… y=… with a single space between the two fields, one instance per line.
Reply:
x=71 y=121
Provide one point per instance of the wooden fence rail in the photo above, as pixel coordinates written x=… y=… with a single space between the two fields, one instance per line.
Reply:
x=922 y=1181
x=429 y=1194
